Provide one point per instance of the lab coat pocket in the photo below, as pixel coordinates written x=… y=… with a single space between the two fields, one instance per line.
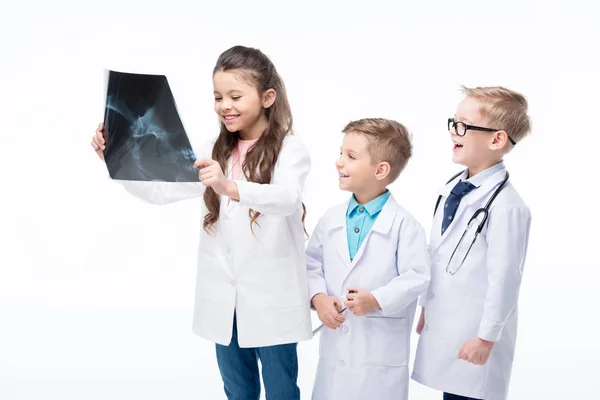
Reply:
x=455 y=318
x=386 y=341
x=272 y=283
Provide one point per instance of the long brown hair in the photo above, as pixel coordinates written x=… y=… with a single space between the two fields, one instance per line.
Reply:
x=262 y=157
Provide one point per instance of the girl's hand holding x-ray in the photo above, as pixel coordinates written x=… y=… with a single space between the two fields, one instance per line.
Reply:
x=98 y=142
x=212 y=176
x=328 y=309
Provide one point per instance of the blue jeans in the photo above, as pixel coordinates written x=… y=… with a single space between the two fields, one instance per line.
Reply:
x=241 y=378
x=449 y=396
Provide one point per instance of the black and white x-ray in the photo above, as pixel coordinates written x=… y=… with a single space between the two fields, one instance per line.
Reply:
x=145 y=137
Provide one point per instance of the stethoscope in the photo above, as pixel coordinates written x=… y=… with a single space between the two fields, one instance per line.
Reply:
x=480 y=212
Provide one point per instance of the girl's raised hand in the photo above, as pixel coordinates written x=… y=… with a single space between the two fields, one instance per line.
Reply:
x=98 y=142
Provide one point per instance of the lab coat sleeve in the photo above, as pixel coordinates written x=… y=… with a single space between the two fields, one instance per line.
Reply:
x=163 y=192
x=314 y=262
x=168 y=192
x=283 y=196
x=507 y=238
x=414 y=273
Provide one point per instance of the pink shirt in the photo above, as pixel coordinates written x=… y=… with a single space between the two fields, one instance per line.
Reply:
x=238 y=156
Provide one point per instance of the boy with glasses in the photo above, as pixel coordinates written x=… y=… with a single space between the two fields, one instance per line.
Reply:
x=468 y=322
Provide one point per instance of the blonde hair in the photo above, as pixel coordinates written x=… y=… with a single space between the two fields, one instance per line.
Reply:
x=389 y=141
x=504 y=108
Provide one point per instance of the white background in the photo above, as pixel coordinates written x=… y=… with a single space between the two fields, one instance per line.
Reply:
x=96 y=287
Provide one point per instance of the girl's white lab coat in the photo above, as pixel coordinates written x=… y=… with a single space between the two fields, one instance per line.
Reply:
x=480 y=300
x=367 y=357
x=262 y=275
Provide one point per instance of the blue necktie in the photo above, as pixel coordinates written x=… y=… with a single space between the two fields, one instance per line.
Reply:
x=453 y=200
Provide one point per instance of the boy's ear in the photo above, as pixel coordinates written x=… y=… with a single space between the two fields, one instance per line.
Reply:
x=268 y=98
x=499 y=140
x=383 y=170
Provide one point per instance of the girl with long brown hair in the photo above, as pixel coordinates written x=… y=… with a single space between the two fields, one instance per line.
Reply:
x=251 y=290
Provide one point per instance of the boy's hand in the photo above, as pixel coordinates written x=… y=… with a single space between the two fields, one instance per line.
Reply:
x=360 y=302
x=421 y=322
x=98 y=142
x=476 y=351
x=328 y=308
x=212 y=176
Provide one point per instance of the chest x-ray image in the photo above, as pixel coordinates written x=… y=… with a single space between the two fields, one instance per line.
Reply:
x=145 y=138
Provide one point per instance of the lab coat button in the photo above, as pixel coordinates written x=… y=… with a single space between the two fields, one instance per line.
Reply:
x=342 y=363
x=431 y=295
x=232 y=283
x=345 y=329
x=438 y=258
x=229 y=251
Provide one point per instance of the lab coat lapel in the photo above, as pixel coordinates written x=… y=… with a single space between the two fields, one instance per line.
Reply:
x=337 y=231
x=231 y=205
x=487 y=187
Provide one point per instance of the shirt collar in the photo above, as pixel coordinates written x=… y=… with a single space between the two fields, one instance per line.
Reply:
x=372 y=207
x=483 y=176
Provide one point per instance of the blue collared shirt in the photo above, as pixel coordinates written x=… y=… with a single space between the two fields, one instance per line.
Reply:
x=360 y=220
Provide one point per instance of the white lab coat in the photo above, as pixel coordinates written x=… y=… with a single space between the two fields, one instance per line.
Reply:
x=367 y=357
x=262 y=275
x=480 y=300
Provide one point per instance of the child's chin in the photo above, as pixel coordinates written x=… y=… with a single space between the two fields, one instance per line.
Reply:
x=343 y=186
x=456 y=158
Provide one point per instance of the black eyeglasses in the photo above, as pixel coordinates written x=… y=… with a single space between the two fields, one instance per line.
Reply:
x=460 y=128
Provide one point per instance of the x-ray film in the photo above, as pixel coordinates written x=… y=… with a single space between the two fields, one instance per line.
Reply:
x=145 y=137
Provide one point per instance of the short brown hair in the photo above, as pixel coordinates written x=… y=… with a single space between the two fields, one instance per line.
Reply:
x=389 y=141
x=504 y=108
